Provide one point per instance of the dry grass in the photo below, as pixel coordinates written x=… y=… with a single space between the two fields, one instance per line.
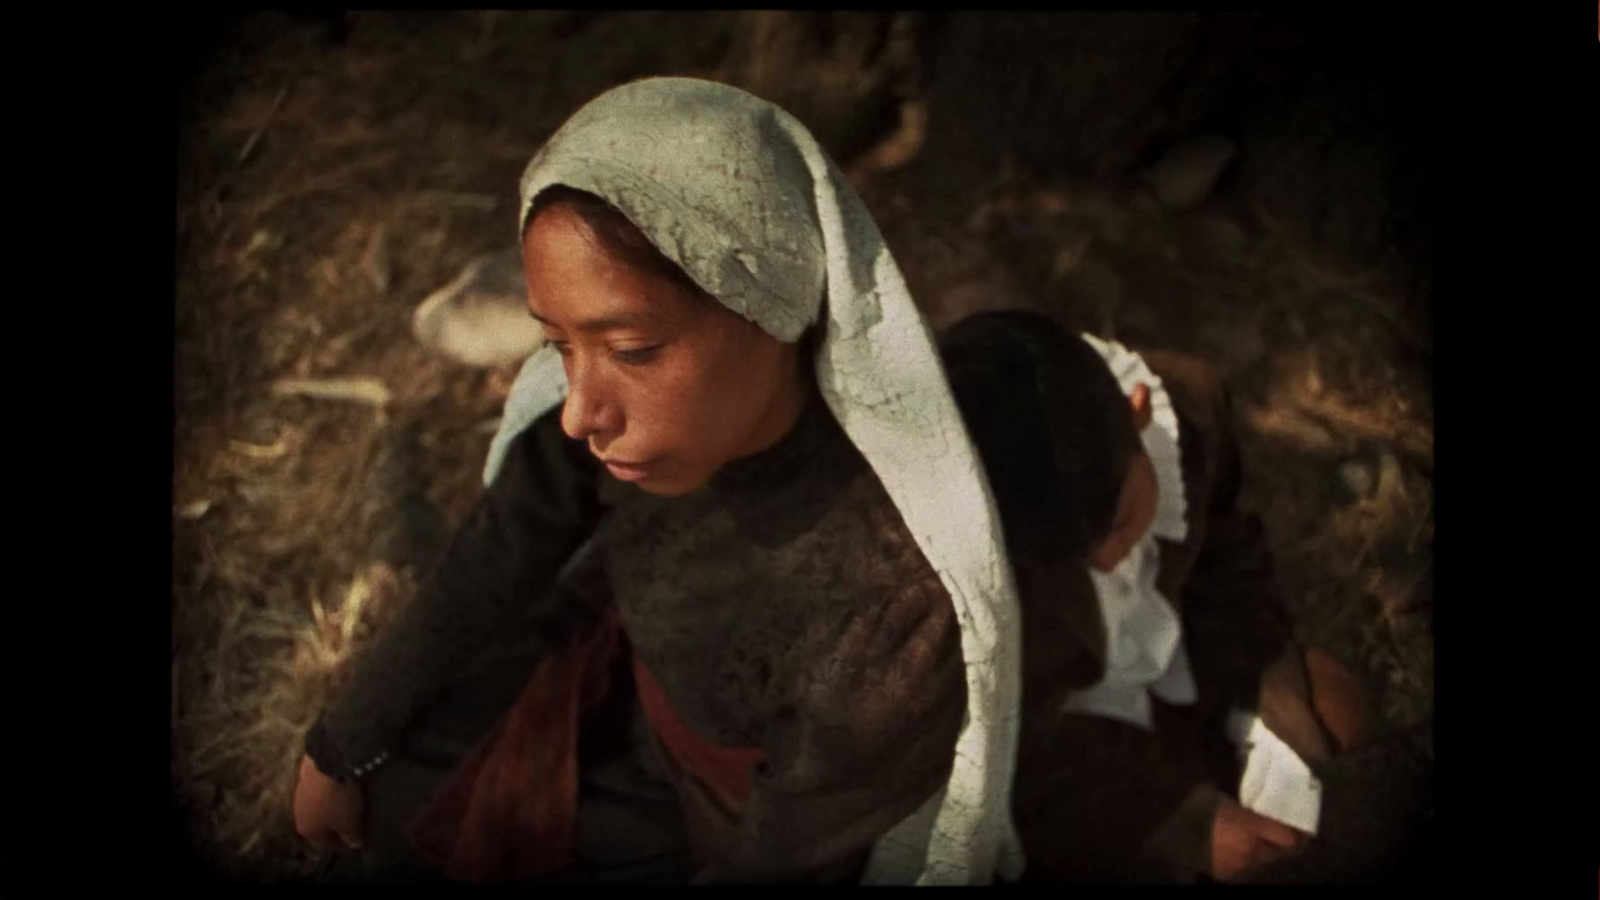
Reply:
x=273 y=668
x=375 y=171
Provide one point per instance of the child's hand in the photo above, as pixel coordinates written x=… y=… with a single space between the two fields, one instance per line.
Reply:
x=326 y=813
x=1315 y=704
x=1243 y=841
x=1340 y=701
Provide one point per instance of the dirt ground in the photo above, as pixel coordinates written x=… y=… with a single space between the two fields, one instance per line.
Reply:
x=335 y=170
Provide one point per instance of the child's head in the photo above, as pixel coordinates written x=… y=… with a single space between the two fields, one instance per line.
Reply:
x=666 y=385
x=1058 y=438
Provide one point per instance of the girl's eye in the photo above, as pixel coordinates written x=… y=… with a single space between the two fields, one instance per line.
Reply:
x=634 y=356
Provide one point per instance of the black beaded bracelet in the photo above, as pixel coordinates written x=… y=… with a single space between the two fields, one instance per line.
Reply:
x=331 y=763
x=367 y=767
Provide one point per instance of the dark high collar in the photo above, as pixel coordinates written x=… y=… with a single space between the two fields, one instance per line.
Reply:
x=813 y=431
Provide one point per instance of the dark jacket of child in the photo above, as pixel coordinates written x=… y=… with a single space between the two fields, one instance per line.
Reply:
x=1096 y=798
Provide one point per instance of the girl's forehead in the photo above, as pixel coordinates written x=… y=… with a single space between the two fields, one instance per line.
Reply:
x=584 y=291
x=632 y=302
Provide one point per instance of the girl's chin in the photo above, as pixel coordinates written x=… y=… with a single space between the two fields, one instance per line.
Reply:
x=653 y=480
x=666 y=488
x=675 y=485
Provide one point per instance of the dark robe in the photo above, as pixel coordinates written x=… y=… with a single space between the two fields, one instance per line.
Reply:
x=783 y=609
x=1097 y=799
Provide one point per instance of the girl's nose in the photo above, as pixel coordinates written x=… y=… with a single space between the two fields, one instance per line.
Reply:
x=588 y=412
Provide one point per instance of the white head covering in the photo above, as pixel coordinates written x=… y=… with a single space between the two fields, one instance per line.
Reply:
x=739 y=194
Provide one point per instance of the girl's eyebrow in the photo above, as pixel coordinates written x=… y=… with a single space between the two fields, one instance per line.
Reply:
x=606 y=323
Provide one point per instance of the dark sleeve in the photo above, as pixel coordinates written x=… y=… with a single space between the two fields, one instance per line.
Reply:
x=1090 y=791
x=497 y=573
x=1233 y=616
x=1093 y=793
x=868 y=738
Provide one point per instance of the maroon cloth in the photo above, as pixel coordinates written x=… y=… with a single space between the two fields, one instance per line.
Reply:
x=726 y=771
x=509 y=811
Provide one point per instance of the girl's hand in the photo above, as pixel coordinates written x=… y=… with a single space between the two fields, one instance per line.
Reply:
x=1243 y=841
x=326 y=813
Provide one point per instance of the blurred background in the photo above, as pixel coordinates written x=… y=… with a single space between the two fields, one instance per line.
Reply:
x=1249 y=187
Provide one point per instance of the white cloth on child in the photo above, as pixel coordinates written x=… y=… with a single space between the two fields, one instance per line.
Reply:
x=1277 y=783
x=1144 y=638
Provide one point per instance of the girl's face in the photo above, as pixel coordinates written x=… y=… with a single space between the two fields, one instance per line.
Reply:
x=664 y=386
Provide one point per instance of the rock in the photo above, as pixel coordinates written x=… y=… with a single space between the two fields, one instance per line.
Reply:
x=1236 y=344
x=898 y=147
x=194 y=510
x=1074 y=249
x=1216 y=238
x=368 y=391
x=1145 y=203
x=1100 y=283
x=1096 y=292
x=1186 y=175
x=980 y=293
x=1314 y=384
x=1391 y=480
x=259 y=241
x=481 y=318
x=1139 y=323
x=1078 y=93
x=849 y=77
x=1358 y=477
x=375 y=262
x=1283 y=423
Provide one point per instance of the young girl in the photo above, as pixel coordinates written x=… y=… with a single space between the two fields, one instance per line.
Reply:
x=1153 y=628
x=802 y=661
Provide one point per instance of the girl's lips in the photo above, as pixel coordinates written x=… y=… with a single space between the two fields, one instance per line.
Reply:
x=626 y=471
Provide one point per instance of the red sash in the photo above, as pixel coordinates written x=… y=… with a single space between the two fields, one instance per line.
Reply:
x=509 y=811
x=725 y=770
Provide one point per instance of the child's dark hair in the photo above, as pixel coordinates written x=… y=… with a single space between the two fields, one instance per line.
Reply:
x=618 y=236
x=1054 y=430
